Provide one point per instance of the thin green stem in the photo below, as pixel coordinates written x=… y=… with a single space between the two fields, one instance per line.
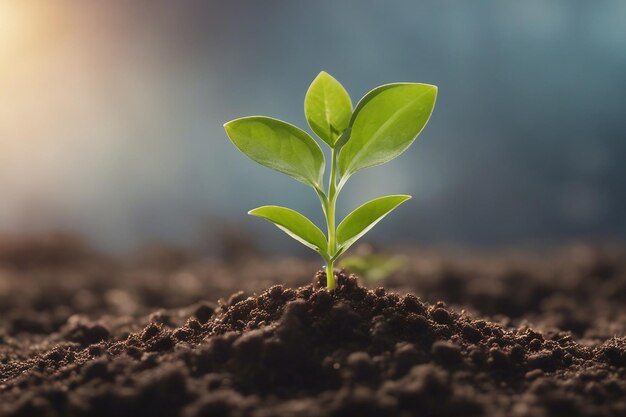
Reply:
x=331 y=283
x=330 y=221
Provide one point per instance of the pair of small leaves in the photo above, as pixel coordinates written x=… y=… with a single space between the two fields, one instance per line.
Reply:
x=384 y=124
x=352 y=228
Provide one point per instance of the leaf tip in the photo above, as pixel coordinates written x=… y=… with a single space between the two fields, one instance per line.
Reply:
x=323 y=75
x=228 y=125
x=403 y=198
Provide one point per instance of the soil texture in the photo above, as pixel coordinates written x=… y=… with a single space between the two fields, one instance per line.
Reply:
x=170 y=334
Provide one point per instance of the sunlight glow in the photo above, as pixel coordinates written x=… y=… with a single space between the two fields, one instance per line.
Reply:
x=13 y=24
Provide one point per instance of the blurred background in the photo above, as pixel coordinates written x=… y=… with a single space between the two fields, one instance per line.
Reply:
x=111 y=116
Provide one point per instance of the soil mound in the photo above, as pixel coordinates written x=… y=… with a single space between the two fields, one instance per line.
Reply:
x=310 y=352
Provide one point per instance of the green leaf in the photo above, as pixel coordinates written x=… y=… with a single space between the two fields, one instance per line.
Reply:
x=295 y=225
x=385 y=123
x=327 y=107
x=280 y=146
x=361 y=220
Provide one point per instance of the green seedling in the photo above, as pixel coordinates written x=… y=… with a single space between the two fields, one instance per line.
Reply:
x=383 y=125
x=373 y=266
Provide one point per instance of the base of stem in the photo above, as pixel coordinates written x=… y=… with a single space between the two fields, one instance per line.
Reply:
x=331 y=283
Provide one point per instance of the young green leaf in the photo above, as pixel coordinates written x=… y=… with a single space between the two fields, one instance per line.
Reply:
x=295 y=225
x=361 y=220
x=280 y=146
x=327 y=107
x=384 y=124
x=375 y=266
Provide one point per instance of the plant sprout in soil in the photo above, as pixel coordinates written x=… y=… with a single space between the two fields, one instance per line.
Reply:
x=383 y=125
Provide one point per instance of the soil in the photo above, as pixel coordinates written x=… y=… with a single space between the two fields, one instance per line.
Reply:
x=167 y=333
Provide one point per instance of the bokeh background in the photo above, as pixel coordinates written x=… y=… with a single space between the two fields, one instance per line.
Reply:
x=111 y=116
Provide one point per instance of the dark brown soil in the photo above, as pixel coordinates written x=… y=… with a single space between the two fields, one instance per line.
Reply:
x=515 y=335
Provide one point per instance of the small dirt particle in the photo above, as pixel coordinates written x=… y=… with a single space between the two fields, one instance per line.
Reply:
x=204 y=312
x=447 y=353
x=150 y=331
x=471 y=334
x=441 y=315
x=542 y=360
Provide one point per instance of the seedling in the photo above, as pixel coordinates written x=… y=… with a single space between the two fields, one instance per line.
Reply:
x=374 y=266
x=382 y=126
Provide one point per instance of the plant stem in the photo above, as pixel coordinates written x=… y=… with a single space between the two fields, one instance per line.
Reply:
x=331 y=283
x=330 y=221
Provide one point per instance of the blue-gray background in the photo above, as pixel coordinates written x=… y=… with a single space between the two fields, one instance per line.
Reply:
x=112 y=116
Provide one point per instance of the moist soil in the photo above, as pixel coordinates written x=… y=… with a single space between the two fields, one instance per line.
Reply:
x=167 y=333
